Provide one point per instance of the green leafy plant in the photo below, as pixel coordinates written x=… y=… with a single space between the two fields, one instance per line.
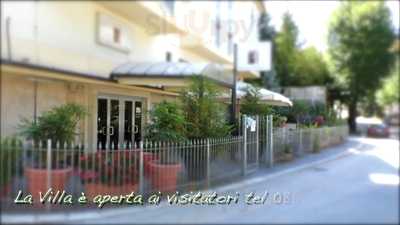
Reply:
x=252 y=105
x=316 y=144
x=10 y=152
x=58 y=124
x=287 y=149
x=167 y=123
x=204 y=114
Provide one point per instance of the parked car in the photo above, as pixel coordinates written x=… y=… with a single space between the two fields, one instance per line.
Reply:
x=378 y=130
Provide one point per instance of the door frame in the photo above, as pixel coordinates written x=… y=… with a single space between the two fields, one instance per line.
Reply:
x=121 y=123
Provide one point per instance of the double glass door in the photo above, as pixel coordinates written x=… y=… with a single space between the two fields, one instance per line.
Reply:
x=119 y=122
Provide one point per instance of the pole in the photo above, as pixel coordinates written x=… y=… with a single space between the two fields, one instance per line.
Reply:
x=233 y=100
x=208 y=163
x=48 y=168
x=141 y=169
x=257 y=139
x=244 y=154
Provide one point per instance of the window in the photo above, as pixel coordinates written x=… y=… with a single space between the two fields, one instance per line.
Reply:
x=117 y=35
x=111 y=33
x=168 y=56
x=170 y=6
x=252 y=57
x=218 y=24
x=230 y=35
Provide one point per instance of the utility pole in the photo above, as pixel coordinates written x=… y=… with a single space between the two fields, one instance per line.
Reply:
x=233 y=100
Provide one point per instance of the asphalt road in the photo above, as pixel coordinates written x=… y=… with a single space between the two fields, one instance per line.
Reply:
x=362 y=187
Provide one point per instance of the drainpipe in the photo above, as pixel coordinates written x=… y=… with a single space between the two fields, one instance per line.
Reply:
x=35 y=87
x=8 y=25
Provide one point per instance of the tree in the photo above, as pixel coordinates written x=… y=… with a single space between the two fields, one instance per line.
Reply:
x=266 y=32
x=310 y=68
x=360 y=35
x=389 y=93
x=286 y=50
x=204 y=114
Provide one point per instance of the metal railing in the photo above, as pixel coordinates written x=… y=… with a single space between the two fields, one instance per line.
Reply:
x=149 y=167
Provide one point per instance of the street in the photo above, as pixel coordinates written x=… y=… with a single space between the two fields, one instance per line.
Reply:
x=361 y=187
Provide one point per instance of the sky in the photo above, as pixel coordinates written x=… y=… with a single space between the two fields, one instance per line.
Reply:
x=312 y=18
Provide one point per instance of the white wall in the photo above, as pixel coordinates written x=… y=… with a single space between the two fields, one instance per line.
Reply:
x=63 y=34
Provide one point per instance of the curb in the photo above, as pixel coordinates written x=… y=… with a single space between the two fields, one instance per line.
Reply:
x=98 y=214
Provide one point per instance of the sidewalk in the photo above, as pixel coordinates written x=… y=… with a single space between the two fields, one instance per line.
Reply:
x=262 y=174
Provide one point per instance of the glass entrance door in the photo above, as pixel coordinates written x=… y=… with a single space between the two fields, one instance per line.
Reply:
x=119 y=122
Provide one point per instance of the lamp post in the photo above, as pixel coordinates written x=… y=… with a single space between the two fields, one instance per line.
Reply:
x=233 y=100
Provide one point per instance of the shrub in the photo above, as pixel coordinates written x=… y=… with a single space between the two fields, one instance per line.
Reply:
x=57 y=124
x=204 y=114
x=167 y=123
x=252 y=105
x=11 y=150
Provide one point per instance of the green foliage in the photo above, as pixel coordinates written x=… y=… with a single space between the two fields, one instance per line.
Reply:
x=389 y=92
x=265 y=30
x=252 y=105
x=304 y=113
x=316 y=143
x=295 y=66
x=10 y=152
x=310 y=68
x=167 y=123
x=360 y=36
x=285 y=50
x=205 y=116
x=287 y=148
x=57 y=124
x=300 y=110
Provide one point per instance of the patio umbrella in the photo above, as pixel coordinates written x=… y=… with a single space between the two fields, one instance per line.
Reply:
x=267 y=96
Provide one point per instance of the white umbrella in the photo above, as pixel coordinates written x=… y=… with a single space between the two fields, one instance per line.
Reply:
x=267 y=96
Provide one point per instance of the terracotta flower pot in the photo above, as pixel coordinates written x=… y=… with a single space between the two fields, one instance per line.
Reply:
x=164 y=176
x=147 y=158
x=287 y=157
x=5 y=190
x=37 y=180
x=94 y=189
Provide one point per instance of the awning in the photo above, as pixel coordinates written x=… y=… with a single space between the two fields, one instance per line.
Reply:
x=169 y=73
x=267 y=96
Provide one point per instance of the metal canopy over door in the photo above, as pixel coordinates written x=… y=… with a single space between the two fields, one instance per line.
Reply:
x=119 y=122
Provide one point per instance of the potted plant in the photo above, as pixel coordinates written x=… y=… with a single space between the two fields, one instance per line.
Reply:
x=316 y=144
x=205 y=117
x=114 y=173
x=58 y=125
x=9 y=155
x=287 y=153
x=164 y=171
x=167 y=125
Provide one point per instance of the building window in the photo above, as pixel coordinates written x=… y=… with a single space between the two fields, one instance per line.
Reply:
x=183 y=60
x=111 y=33
x=168 y=56
x=230 y=35
x=170 y=6
x=218 y=24
x=252 y=57
x=117 y=35
x=230 y=43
